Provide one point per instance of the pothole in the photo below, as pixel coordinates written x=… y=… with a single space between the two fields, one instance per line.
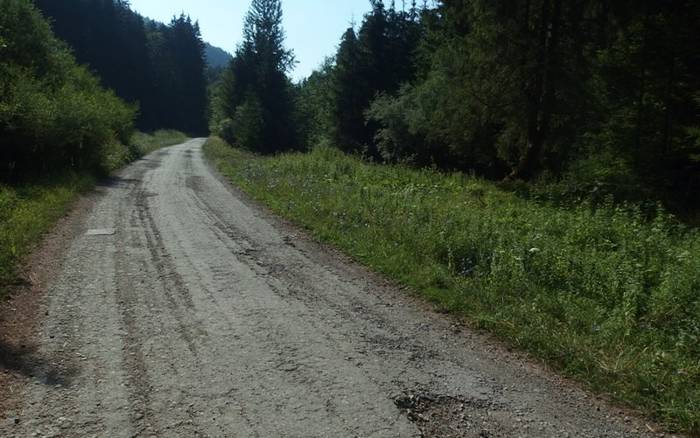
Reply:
x=195 y=183
x=451 y=417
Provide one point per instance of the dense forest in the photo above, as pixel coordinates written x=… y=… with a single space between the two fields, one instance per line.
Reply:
x=592 y=96
x=160 y=67
x=78 y=77
x=53 y=112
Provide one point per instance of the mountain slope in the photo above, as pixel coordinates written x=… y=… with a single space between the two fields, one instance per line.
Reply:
x=216 y=57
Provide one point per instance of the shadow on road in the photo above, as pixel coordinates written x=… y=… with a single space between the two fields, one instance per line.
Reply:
x=26 y=361
x=116 y=182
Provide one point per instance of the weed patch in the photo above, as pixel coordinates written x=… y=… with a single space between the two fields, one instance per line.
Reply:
x=27 y=211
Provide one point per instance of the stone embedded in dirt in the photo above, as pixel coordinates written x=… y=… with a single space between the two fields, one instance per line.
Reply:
x=101 y=232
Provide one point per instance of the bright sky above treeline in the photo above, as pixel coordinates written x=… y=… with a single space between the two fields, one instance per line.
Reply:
x=313 y=27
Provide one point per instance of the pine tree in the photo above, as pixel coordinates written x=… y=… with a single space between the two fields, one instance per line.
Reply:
x=142 y=62
x=184 y=41
x=256 y=93
x=378 y=59
x=352 y=92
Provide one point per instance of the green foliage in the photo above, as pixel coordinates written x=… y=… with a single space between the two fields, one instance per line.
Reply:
x=248 y=124
x=608 y=294
x=159 y=67
x=378 y=58
x=494 y=86
x=106 y=35
x=434 y=124
x=254 y=102
x=177 y=54
x=522 y=90
x=53 y=113
x=351 y=96
x=314 y=105
x=649 y=80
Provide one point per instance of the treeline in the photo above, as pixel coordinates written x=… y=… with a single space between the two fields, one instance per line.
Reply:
x=161 y=68
x=53 y=113
x=598 y=96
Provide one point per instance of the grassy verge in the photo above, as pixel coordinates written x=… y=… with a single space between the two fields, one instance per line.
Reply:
x=147 y=143
x=29 y=209
x=603 y=294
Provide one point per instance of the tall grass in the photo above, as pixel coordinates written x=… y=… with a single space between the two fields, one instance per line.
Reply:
x=606 y=294
x=27 y=211
x=143 y=143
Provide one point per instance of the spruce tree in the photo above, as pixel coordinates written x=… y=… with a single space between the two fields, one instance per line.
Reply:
x=378 y=59
x=256 y=92
x=189 y=96
x=352 y=92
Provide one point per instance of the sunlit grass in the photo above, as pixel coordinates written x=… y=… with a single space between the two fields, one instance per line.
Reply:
x=27 y=211
x=604 y=294
x=147 y=143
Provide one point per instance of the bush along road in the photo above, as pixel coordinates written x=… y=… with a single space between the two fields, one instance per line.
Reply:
x=182 y=309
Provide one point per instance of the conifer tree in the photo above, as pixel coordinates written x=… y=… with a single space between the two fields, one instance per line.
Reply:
x=352 y=92
x=256 y=94
x=188 y=94
x=159 y=67
x=378 y=59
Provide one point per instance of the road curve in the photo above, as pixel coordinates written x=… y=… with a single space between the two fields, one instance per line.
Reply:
x=202 y=315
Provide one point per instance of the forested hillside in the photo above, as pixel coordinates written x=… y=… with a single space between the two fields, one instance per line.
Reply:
x=216 y=57
x=159 y=67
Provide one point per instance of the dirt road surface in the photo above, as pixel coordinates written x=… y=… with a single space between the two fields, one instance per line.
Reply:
x=181 y=309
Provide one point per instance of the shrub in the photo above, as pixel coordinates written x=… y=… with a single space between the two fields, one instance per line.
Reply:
x=248 y=124
x=53 y=113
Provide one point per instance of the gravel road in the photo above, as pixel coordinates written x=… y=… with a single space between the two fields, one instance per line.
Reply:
x=194 y=312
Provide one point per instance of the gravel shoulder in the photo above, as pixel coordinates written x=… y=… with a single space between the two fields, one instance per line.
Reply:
x=203 y=315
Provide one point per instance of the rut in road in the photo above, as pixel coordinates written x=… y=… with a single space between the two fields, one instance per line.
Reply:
x=205 y=316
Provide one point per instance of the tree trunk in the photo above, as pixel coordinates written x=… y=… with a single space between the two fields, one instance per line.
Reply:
x=669 y=104
x=544 y=96
x=642 y=84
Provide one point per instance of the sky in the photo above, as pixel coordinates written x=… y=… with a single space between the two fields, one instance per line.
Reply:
x=313 y=27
